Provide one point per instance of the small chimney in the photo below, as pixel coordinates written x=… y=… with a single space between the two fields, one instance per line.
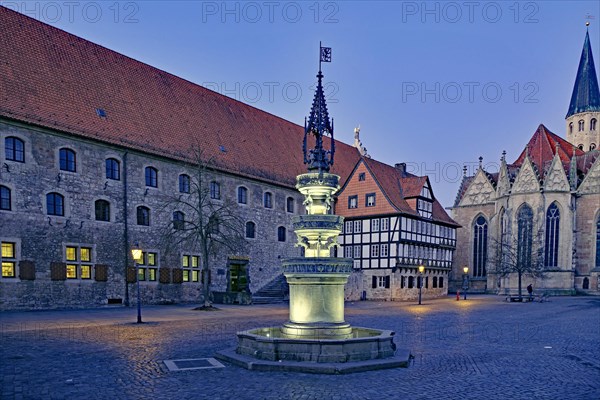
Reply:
x=402 y=168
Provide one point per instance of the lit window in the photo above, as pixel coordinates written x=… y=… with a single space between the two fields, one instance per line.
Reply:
x=151 y=175
x=352 y=201
x=113 y=169
x=55 y=204
x=215 y=190
x=5 y=201
x=191 y=268
x=147 y=267
x=250 y=230
x=268 y=200
x=102 y=210
x=14 y=149
x=290 y=205
x=9 y=260
x=281 y=233
x=79 y=260
x=184 y=183
x=67 y=160
x=143 y=216
x=242 y=195
x=370 y=200
x=178 y=220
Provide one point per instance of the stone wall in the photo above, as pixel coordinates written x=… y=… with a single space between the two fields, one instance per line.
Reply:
x=41 y=238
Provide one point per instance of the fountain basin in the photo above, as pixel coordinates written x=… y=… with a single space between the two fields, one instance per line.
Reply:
x=272 y=344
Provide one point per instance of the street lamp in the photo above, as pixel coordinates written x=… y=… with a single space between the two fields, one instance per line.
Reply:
x=136 y=253
x=465 y=284
x=421 y=270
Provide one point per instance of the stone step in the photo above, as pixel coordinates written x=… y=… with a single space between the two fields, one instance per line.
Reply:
x=267 y=300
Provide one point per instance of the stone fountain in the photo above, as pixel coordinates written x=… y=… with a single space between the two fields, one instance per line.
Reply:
x=317 y=338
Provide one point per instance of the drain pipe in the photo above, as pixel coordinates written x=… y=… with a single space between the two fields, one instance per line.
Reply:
x=125 y=229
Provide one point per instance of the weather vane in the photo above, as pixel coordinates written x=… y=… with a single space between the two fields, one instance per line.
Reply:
x=319 y=124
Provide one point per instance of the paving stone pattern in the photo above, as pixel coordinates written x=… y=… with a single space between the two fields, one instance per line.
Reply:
x=475 y=349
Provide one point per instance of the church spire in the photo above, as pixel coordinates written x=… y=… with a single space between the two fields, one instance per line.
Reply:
x=586 y=95
x=319 y=124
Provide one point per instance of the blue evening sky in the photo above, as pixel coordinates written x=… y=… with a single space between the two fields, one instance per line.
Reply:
x=433 y=84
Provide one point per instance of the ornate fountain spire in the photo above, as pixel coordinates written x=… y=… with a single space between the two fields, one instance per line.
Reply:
x=319 y=124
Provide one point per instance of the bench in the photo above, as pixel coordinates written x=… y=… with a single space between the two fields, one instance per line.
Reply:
x=539 y=297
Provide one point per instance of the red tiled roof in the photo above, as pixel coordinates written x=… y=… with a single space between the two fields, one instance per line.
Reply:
x=53 y=79
x=543 y=146
x=397 y=187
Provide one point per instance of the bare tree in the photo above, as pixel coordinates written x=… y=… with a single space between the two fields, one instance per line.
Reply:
x=203 y=220
x=518 y=255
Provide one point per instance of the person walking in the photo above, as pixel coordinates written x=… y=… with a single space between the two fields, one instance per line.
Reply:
x=530 y=291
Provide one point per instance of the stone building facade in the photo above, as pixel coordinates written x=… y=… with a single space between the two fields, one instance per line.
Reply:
x=547 y=202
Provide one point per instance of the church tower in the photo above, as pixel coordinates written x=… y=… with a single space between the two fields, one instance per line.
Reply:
x=583 y=117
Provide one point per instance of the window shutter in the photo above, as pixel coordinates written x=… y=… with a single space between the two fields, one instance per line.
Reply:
x=387 y=282
x=177 y=275
x=374 y=282
x=58 y=271
x=131 y=275
x=26 y=270
x=101 y=273
x=164 y=275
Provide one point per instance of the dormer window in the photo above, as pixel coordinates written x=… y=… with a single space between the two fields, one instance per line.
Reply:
x=424 y=208
x=426 y=192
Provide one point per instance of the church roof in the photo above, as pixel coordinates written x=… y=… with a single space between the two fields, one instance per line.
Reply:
x=586 y=95
x=56 y=80
x=543 y=146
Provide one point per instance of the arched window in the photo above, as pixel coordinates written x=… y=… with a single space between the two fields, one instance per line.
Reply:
x=289 y=205
x=68 y=161
x=580 y=147
x=571 y=127
x=581 y=125
x=113 y=169
x=55 y=204
x=242 y=195
x=480 y=242
x=250 y=230
x=14 y=149
x=524 y=236
x=151 y=175
x=281 y=231
x=102 y=210
x=184 y=183
x=598 y=242
x=215 y=190
x=586 y=283
x=5 y=203
x=268 y=200
x=178 y=220
x=143 y=216
x=592 y=146
x=593 y=123
x=552 y=232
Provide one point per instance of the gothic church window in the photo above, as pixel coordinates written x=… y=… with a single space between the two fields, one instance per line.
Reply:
x=68 y=161
x=598 y=242
x=480 y=239
x=524 y=236
x=14 y=149
x=552 y=233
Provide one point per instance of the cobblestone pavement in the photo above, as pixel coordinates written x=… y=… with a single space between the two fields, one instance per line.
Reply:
x=475 y=349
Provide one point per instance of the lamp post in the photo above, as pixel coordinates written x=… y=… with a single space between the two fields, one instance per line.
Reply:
x=421 y=270
x=465 y=284
x=136 y=253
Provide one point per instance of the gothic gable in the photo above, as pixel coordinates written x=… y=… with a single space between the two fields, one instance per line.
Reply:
x=556 y=178
x=503 y=187
x=526 y=180
x=591 y=182
x=480 y=191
